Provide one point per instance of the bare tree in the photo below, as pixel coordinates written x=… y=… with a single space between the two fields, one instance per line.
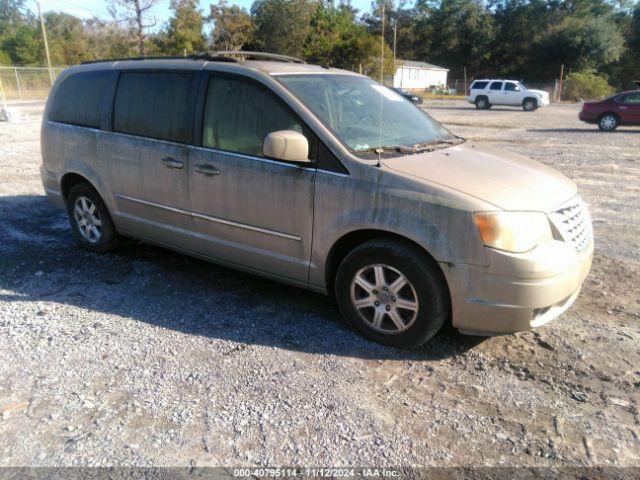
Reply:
x=138 y=14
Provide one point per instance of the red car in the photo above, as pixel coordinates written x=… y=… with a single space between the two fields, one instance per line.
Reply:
x=620 y=109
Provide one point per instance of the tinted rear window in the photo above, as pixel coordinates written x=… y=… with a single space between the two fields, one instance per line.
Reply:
x=78 y=100
x=155 y=105
x=496 y=86
x=479 y=85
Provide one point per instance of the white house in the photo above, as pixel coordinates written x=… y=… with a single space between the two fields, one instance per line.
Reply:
x=419 y=75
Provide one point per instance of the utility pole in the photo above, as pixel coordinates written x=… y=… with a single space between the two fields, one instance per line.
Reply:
x=561 y=82
x=382 y=49
x=464 y=69
x=46 y=44
x=395 y=33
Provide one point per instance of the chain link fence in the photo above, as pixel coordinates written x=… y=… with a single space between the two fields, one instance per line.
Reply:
x=27 y=83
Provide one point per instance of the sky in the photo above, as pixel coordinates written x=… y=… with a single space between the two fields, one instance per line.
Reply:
x=90 y=8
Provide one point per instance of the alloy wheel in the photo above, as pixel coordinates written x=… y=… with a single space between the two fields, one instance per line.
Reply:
x=88 y=219
x=384 y=298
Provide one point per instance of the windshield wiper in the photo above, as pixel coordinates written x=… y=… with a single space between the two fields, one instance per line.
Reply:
x=436 y=144
x=417 y=148
x=388 y=148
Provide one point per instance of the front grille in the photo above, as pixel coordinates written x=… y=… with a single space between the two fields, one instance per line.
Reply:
x=573 y=224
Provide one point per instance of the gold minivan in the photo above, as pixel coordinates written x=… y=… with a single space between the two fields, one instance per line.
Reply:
x=319 y=178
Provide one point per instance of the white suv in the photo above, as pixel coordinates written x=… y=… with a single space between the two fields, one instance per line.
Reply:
x=488 y=92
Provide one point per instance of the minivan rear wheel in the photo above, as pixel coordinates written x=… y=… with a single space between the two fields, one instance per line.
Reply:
x=392 y=293
x=90 y=219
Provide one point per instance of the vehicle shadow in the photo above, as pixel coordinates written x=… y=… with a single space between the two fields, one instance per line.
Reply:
x=583 y=130
x=41 y=262
x=473 y=108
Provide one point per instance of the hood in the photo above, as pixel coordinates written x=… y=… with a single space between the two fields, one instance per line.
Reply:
x=539 y=92
x=507 y=180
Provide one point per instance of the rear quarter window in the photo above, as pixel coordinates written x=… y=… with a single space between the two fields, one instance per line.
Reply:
x=479 y=85
x=78 y=100
x=157 y=105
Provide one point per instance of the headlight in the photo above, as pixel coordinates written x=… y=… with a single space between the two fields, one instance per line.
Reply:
x=513 y=231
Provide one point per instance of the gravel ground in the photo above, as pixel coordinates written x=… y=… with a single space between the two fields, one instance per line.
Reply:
x=146 y=357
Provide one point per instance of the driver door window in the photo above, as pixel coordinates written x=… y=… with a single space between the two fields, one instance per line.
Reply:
x=239 y=114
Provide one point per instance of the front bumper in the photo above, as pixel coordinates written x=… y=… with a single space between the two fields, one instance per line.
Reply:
x=516 y=291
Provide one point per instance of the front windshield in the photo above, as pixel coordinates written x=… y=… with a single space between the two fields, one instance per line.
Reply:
x=350 y=106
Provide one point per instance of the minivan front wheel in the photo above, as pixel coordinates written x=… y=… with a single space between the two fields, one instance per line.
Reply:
x=392 y=293
x=90 y=219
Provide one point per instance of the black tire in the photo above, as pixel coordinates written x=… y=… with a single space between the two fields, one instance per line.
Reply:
x=608 y=122
x=482 y=103
x=529 y=104
x=426 y=283
x=108 y=238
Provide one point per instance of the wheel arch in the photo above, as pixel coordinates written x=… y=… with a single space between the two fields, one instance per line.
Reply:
x=345 y=244
x=608 y=112
x=69 y=180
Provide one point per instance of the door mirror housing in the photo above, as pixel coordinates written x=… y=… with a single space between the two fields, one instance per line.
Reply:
x=517 y=89
x=287 y=145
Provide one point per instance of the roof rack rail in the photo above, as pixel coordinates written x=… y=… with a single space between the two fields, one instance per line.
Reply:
x=216 y=56
x=196 y=56
x=246 y=54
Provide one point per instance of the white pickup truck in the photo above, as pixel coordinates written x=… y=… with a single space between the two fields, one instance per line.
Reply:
x=488 y=92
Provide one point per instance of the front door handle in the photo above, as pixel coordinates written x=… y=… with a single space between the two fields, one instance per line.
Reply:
x=207 y=169
x=172 y=162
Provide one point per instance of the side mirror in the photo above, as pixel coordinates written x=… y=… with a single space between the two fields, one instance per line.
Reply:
x=287 y=145
x=517 y=89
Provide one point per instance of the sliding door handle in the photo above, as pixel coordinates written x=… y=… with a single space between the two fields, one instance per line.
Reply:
x=170 y=162
x=206 y=169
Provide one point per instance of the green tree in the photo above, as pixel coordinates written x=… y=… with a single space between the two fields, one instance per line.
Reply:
x=233 y=27
x=328 y=27
x=67 y=38
x=24 y=46
x=517 y=23
x=586 y=85
x=183 y=35
x=282 y=26
x=578 y=43
x=454 y=34
x=627 y=69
